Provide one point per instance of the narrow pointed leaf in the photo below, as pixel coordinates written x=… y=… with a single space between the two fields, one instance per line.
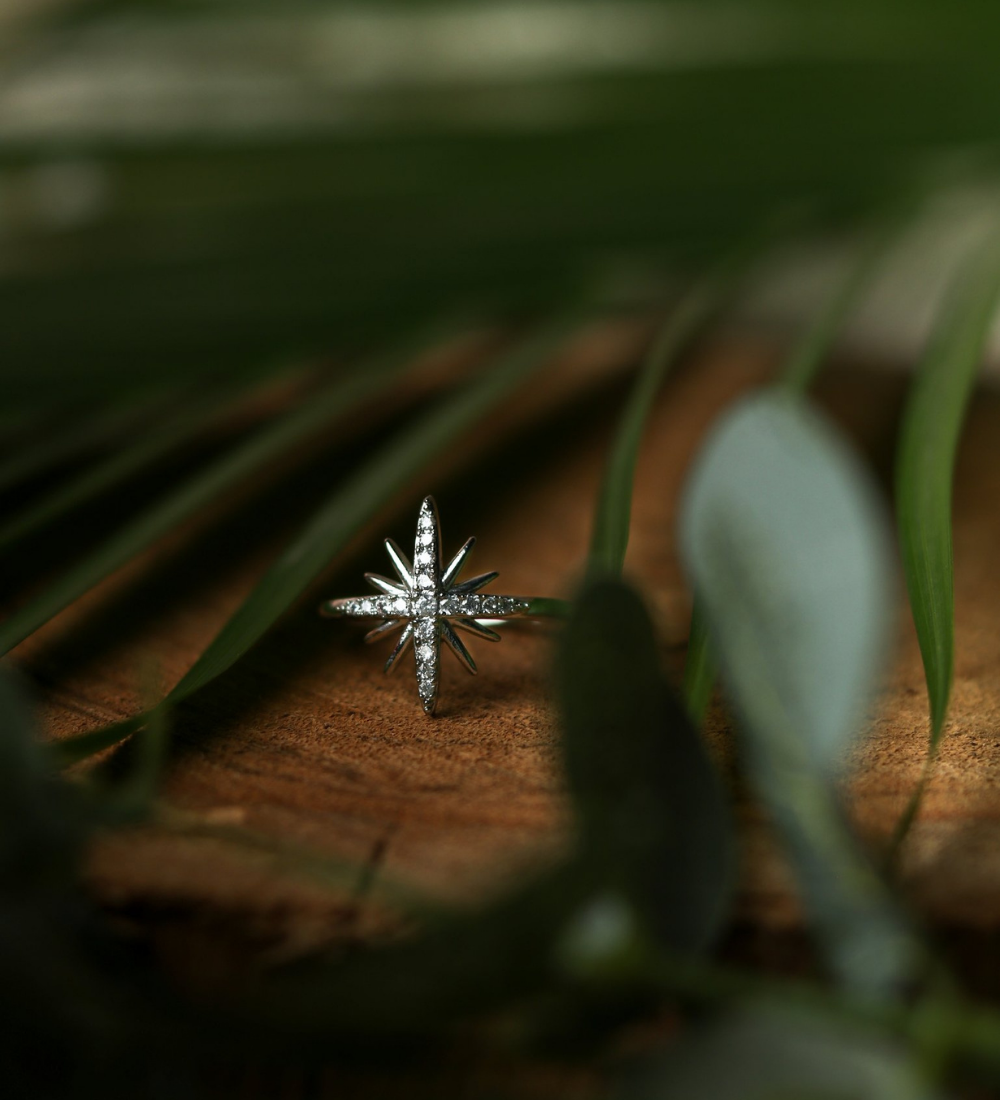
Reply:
x=158 y=441
x=613 y=514
x=786 y=545
x=932 y=424
x=699 y=667
x=925 y=468
x=77 y=439
x=255 y=454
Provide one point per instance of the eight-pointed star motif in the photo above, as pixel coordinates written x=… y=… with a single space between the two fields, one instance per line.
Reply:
x=428 y=602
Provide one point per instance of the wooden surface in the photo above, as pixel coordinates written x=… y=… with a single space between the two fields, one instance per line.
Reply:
x=305 y=749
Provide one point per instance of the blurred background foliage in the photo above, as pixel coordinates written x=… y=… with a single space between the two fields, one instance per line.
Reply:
x=199 y=200
x=195 y=187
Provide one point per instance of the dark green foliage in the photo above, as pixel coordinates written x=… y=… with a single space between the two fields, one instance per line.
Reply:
x=652 y=808
x=42 y=822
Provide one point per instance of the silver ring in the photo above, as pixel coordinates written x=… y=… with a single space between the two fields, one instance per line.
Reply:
x=429 y=603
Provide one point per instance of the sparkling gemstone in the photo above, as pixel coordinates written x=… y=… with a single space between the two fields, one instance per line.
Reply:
x=426 y=602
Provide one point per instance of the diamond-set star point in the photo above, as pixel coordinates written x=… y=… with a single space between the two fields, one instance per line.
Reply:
x=428 y=603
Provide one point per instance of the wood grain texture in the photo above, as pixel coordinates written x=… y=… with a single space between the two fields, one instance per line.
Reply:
x=305 y=749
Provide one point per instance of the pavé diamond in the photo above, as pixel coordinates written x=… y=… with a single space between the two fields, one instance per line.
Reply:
x=432 y=602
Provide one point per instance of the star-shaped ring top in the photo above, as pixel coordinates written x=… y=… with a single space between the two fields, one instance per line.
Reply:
x=428 y=602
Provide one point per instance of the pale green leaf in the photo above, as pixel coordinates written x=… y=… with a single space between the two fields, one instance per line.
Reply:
x=767 y=1051
x=786 y=544
x=798 y=373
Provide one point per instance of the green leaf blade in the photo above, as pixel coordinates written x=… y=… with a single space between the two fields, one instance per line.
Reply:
x=613 y=514
x=159 y=440
x=932 y=424
x=256 y=453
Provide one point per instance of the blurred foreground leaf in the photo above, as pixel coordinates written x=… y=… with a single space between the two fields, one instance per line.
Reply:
x=125 y=789
x=763 y=1052
x=653 y=813
x=797 y=374
x=41 y=821
x=463 y=967
x=786 y=546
